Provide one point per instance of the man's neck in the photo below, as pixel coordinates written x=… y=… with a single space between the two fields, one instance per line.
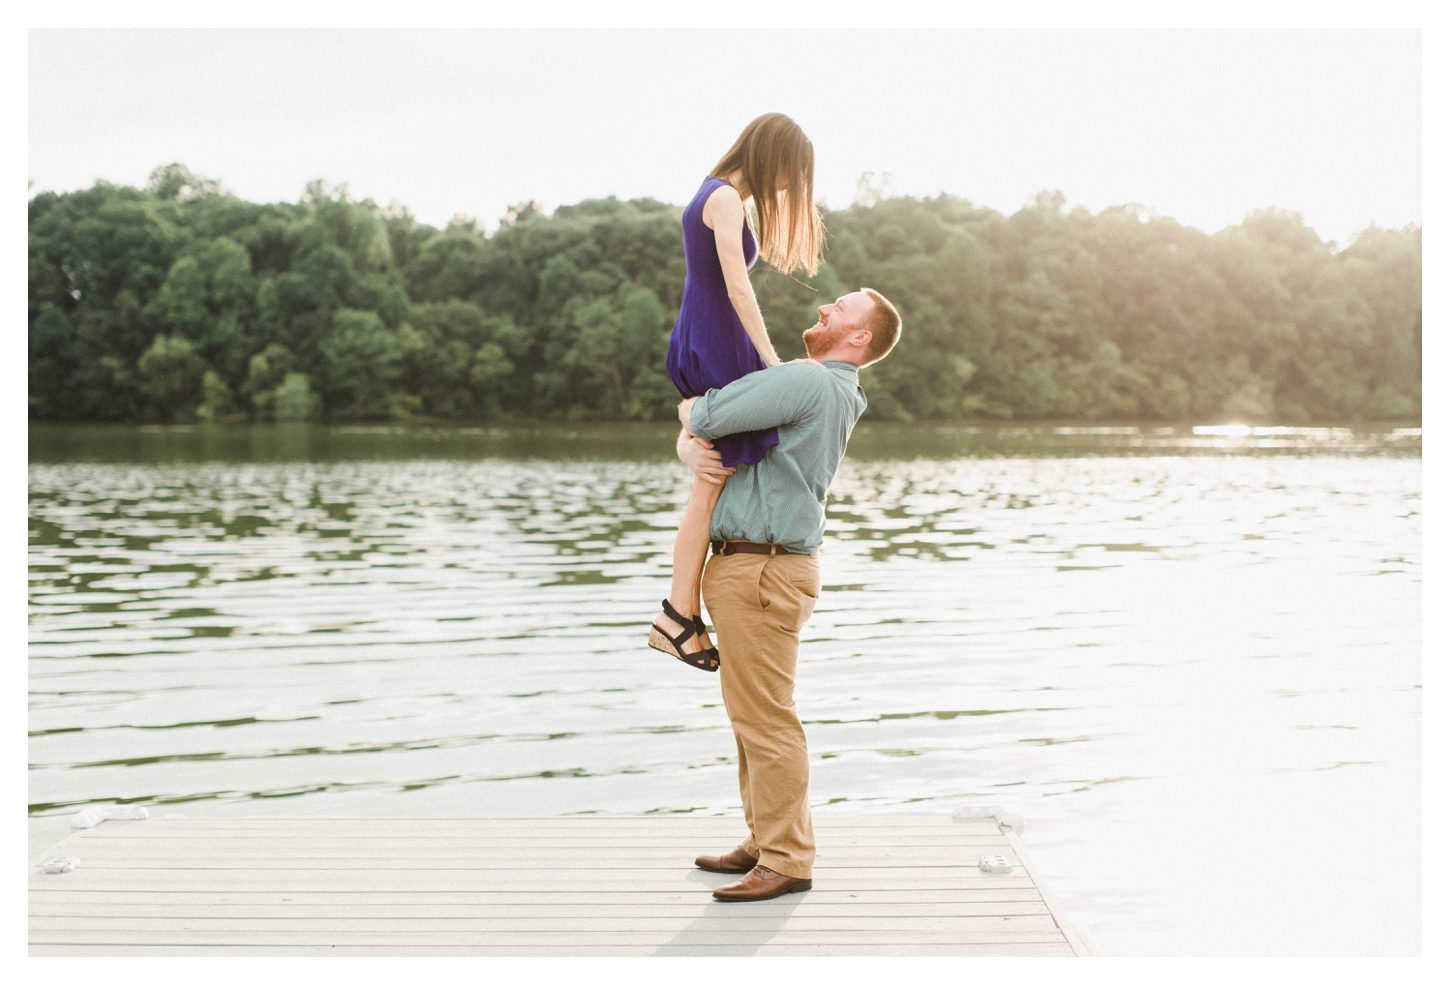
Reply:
x=837 y=356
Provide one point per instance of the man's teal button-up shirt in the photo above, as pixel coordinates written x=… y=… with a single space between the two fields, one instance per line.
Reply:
x=782 y=499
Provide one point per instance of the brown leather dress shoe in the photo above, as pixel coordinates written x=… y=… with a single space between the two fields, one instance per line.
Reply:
x=735 y=860
x=761 y=883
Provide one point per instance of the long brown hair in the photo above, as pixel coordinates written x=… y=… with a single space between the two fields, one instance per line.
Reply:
x=788 y=225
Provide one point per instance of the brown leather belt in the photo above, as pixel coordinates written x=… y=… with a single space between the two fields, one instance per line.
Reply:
x=728 y=547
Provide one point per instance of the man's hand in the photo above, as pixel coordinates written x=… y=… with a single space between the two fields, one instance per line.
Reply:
x=702 y=458
x=686 y=406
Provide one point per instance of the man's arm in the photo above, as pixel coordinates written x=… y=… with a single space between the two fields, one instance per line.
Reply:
x=757 y=401
x=686 y=405
x=702 y=458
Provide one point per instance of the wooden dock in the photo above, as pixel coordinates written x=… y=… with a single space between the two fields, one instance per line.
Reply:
x=582 y=885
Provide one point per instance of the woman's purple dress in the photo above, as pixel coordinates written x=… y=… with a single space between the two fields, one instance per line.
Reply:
x=709 y=348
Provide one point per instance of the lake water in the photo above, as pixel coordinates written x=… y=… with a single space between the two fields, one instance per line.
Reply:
x=1190 y=659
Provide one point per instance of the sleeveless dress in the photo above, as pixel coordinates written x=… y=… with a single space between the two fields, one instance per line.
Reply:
x=709 y=348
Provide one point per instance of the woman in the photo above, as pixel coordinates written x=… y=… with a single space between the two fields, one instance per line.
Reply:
x=720 y=334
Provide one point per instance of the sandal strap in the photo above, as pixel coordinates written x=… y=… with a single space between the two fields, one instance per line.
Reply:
x=692 y=626
x=686 y=632
x=703 y=659
x=670 y=611
x=679 y=641
x=707 y=659
x=713 y=652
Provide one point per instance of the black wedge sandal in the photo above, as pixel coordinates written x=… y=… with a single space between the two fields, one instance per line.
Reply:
x=711 y=652
x=707 y=660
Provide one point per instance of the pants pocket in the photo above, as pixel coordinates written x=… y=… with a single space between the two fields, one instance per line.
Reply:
x=806 y=578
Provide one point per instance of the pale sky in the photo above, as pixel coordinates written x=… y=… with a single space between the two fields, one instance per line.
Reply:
x=1199 y=125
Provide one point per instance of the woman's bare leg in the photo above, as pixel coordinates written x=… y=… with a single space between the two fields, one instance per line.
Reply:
x=692 y=543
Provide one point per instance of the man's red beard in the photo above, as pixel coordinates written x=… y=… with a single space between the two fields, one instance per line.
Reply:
x=820 y=341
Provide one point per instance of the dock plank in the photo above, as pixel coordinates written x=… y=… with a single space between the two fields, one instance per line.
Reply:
x=987 y=893
x=578 y=885
x=619 y=857
x=518 y=880
x=489 y=911
x=728 y=936
x=1016 y=949
x=508 y=925
x=419 y=848
x=586 y=822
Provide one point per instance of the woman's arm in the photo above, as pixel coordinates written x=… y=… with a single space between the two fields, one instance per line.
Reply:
x=724 y=212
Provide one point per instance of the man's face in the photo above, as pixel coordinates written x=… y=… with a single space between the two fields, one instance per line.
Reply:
x=837 y=319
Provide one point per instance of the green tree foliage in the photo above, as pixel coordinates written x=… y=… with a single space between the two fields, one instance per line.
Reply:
x=217 y=399
x=171 y=376
x=180 y=301
x=294 y=400
x=360 y=357
x=265 y=373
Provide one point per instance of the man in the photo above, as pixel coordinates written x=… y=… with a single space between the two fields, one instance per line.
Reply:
x=763 y=578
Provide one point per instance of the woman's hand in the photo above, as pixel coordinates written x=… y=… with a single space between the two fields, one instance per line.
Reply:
x=808 y=359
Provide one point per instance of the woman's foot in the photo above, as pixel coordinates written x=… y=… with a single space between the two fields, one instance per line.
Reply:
x=680 y=637
x=702 y=634
x=672 y=629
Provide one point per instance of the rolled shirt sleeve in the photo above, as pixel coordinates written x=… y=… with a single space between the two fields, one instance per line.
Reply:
x=767 y=398
x=782 y=498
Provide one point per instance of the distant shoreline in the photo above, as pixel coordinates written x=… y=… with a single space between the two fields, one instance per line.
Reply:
x=179 y=302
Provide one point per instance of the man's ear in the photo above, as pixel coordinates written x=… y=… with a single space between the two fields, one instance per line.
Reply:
x=862 y=337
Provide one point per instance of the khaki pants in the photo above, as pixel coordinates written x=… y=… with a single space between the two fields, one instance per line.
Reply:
x=758 y=604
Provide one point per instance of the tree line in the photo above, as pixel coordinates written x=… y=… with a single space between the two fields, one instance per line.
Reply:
x=181 y=302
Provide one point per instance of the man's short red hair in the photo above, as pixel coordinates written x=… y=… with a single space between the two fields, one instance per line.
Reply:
x=884 y=322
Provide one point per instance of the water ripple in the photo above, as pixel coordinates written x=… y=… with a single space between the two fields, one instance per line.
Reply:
x=453 y=636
